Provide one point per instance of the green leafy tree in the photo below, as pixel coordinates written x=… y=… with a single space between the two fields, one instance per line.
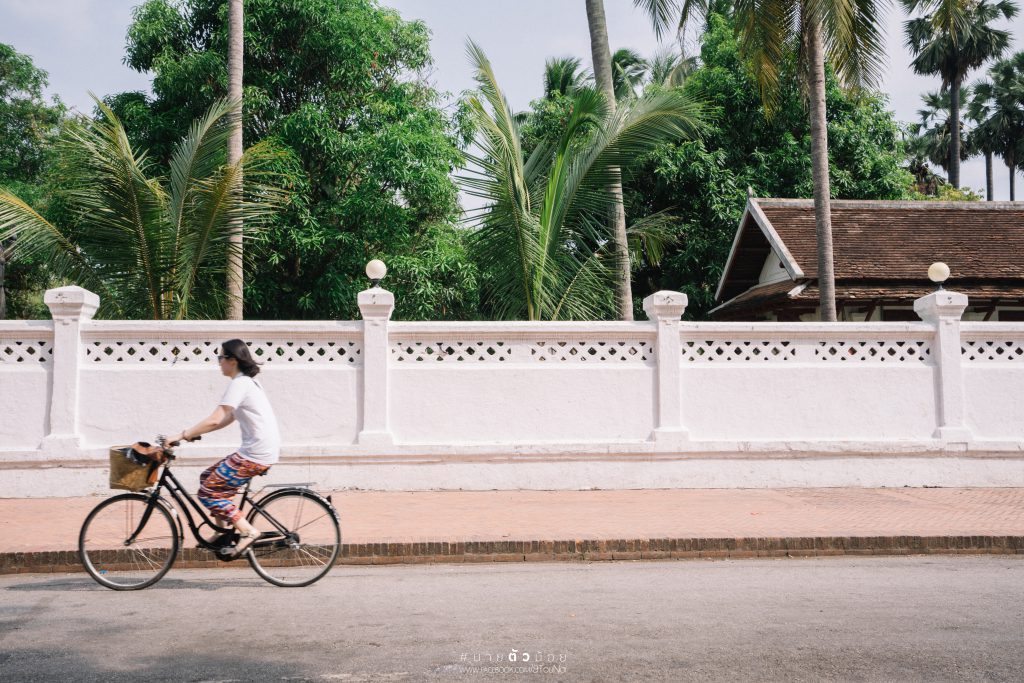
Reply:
x=336 y=84
x=847 y=35
x=28 y=125
x=703 y=183
x=950 y=39
x=151 y=248
x=542 y=237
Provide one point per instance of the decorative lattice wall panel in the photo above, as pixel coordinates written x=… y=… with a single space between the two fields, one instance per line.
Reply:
x=992 y=350
x=25 y=351
x=880 y=351
x=522 y=351
x=205 y=351
x=804 y=351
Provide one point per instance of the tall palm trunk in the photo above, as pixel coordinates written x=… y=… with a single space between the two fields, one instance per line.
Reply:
x=3 y=284
x=602 y=57
x=1013 y=181
x=235 y=43
x=819 y=168
x=954 y=133
x=988 y=177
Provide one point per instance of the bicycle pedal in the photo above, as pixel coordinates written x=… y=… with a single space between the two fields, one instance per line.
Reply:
x=227 y=555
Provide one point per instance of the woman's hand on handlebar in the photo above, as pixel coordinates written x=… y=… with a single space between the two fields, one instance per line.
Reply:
x=177 y=442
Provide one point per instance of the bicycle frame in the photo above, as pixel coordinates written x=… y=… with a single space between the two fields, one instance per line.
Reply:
x=184 y=501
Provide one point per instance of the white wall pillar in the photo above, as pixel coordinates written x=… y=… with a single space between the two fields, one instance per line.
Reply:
x=943 y=309
x=375 y=306
x=665 y=309
x=69 y=307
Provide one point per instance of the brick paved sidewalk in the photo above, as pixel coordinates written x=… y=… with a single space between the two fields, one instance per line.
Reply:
x=371 y=517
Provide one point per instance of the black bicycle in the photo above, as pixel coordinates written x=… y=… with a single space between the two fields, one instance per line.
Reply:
x=130 y=541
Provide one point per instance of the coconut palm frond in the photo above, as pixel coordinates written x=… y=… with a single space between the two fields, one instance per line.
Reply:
x=563 y=75
x=662 y=14
x=649 y=237
x=31 y=235
x=149 y=250
x=121 y=213
x=543 y=236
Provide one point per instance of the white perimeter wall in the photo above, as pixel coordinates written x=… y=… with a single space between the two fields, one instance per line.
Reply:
x=416 y=405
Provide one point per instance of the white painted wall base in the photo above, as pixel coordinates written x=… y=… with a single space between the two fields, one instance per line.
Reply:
x=572 y=474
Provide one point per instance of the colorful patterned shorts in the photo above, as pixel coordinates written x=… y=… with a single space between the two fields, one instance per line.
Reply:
x=220 y=483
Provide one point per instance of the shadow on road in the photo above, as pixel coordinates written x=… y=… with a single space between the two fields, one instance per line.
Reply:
x=84 y=583
x=43 y=665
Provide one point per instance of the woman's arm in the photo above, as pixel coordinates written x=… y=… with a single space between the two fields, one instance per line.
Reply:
x=221 y=417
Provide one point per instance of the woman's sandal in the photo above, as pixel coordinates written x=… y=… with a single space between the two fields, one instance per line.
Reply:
x=245 y=541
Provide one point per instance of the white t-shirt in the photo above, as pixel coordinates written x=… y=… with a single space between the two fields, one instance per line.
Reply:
x=261 y=442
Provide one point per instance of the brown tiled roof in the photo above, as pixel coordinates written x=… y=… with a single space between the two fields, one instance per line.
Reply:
x=789 y=295
x=898 y=240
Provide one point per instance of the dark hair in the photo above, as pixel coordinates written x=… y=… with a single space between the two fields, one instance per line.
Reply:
x=236 y=348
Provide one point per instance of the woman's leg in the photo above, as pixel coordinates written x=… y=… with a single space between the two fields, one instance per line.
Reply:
x=222 y=482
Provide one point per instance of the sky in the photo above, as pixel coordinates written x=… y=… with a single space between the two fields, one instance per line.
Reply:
x=81 y=44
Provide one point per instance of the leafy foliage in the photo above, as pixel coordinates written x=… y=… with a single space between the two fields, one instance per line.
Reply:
x=331 y=82
x=703 y=184
x=149 y=247
x=28 y=126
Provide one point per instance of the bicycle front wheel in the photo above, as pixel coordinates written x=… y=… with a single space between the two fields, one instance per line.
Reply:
x=300 y=538
x=115 y=559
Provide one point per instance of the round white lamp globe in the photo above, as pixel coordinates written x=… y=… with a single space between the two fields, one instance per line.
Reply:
x=376 y=270
x=938 y=272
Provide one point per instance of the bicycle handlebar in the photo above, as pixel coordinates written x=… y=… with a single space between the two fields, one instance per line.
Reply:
x=168 y=447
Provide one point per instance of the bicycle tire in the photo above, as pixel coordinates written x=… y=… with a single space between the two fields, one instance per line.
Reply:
x=311 y=546
x=102 y=549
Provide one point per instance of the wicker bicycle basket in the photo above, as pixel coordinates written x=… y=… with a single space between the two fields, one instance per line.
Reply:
x=127 y=473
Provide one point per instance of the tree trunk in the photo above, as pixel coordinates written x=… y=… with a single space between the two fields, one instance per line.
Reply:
x=1013 y=182
x=602 y=57
x=235 y=45
x=988 y=176
x=819 y=170
x=3 y=284
x=954 y=133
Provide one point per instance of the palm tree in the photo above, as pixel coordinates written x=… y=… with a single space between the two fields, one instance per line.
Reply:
x=848 y=34
x=563 y=76
x=151 y=248
x=931 y=133
x=542 y=236
x=949 y=40
x=602 y=59
x=628 y=71
x=235 y=276
x=998 y=106
x=982 y=139
x=671 y=69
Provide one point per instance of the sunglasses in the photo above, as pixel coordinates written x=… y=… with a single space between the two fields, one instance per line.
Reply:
x=221 y=356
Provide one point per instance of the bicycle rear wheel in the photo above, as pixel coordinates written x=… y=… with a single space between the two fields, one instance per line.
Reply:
x=300 y=541
x=114 y=562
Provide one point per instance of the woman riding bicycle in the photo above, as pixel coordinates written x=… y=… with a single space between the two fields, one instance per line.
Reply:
x=244 y=401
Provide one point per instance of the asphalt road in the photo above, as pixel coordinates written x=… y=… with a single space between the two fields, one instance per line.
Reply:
x=857 y=619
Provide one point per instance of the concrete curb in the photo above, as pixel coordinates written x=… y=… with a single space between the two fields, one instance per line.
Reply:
x=582 y=550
